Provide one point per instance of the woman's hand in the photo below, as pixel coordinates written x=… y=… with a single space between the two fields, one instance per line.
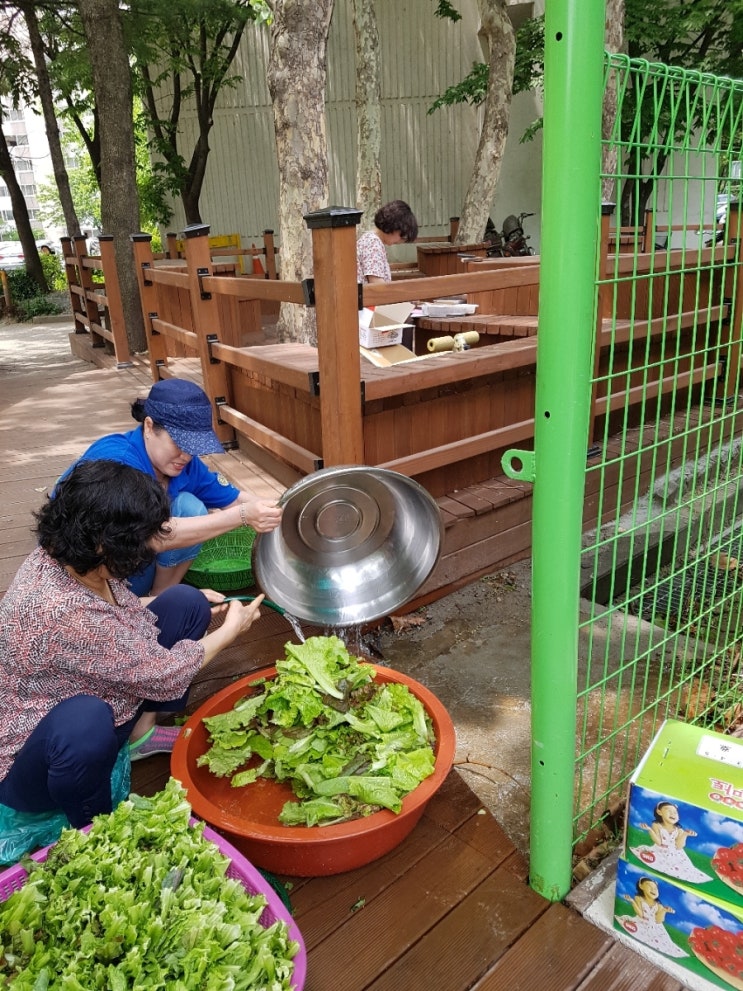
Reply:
x=238 y=618
x=262 y=515
x=216 y=598
x=241 y=615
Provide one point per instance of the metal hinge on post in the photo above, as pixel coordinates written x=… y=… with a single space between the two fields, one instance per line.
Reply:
x=145 y=280
x=308 y=288
x=219 y=402
x=203 y=273
x=152 y=318
x=212 y=339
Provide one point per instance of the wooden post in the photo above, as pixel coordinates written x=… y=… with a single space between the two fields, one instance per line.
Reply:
x=603 y=309
x=6 y=291
x=171 y=241
x=88 y=307
x=648 y=231
x=73 y=282
x=114 y=306
x=148 y=294
x=453 y=228
x=337 y=307
x=269 y=249
x=207 y=325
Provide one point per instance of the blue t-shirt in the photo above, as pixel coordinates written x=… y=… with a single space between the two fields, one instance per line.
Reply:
x=128 y=449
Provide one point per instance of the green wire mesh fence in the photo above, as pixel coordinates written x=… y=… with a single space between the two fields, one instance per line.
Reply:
x=662 y=560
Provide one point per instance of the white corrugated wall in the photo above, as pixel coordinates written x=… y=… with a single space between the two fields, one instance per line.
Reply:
x=426 y=159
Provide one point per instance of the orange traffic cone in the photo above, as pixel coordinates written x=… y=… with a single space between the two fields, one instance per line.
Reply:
x=258 y=268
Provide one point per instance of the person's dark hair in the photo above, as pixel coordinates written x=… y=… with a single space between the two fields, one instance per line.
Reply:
x=103 y=512
x=139 y=415
x=137 y=409
x=397 y=216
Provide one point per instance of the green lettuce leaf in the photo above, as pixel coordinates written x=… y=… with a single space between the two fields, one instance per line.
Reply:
x=141 y=900
x=346 y=744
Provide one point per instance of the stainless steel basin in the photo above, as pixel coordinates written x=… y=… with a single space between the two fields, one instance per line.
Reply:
x=355 y=543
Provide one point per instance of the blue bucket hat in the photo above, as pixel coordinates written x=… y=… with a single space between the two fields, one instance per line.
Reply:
x=183 y=408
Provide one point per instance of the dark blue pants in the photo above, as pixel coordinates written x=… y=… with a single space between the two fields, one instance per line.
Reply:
x=67 y=760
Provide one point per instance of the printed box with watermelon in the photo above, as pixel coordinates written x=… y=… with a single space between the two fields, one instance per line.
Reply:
x=701 y=934
x=680 y=881
x=685 y=811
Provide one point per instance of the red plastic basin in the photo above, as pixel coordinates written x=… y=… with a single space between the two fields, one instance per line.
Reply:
x=248 y=816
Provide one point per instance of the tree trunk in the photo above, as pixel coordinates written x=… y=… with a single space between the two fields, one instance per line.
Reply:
x=20 y=215
x=50 y=121
x=119 y=199
x=368 y=111
x=191 y=192
x=497 y=32
x=614 y=40
x=297 y=69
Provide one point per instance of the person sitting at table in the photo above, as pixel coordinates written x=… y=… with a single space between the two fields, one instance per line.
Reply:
x=175 y=428
x=394 y=223
x=85 y=666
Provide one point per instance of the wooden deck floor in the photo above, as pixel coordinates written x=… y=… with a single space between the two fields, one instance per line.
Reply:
x=449 y=909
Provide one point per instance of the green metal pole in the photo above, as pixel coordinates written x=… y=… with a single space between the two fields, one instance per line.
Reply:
x=571 y=201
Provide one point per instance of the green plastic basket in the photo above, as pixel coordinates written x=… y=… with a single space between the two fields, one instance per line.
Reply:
x=223 y=563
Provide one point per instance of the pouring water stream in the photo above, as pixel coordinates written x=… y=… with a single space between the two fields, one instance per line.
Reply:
x=291 y=620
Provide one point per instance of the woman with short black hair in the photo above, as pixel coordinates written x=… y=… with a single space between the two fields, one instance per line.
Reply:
x=394 y=223
x=85 y=665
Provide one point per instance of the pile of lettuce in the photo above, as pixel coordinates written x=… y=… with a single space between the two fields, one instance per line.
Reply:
x=348 y=745
x=140 y=901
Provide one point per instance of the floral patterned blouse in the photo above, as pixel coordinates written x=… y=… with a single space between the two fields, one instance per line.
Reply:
x=371 y=258
x=59 y=639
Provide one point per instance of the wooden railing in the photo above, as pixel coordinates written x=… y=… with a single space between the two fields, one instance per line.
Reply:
x=258 y=261
x=629 y=240
x=299 y=406
x=96 y=304
x=445 y=419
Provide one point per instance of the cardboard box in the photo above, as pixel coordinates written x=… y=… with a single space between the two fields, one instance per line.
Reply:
x=392 y=354
x=383 y=325
x=700 y=934
x=685 y=811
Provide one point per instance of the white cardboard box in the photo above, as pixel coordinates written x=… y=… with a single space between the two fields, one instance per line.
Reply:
x=383 y=325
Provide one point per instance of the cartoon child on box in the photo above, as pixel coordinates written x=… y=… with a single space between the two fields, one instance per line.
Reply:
x=646 y=925
x=666 y=854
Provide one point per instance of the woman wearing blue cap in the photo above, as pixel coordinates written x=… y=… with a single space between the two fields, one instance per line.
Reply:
x=175 y=428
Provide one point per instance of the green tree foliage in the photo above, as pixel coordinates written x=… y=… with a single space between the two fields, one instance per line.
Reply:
x=528 y=71
x=86 y=193
x=706 y=35
x=183 y=51
x=702 y=35
x=15 y=87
